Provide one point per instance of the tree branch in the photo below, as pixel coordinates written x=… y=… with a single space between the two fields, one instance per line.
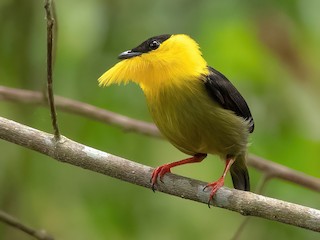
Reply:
x=38 y=234
x=129 y=124
x=80 y=108
x=275 y=170
x=246 y=203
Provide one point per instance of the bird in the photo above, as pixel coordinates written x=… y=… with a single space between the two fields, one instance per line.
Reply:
x=195 y=107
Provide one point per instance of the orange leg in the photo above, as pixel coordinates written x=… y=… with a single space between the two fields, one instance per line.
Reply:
x=219 y=183
x=162 y=170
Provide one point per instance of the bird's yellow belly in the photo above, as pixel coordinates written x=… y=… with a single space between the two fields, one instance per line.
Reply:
x=194 y=123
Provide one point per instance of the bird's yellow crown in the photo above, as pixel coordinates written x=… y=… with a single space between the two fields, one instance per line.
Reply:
x=176 y=60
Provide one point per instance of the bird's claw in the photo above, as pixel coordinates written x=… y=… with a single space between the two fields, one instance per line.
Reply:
x=153 y=187
x=215 y=186
x=158 y=172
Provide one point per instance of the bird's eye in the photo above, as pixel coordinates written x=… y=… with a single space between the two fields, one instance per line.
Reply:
x=154 y=45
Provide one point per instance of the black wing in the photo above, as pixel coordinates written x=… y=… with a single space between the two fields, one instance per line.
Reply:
x=222 y=91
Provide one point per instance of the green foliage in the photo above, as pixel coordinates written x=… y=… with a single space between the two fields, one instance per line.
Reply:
x=269 y=50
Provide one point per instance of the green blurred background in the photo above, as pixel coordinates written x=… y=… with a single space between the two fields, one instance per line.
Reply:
x=269 y=49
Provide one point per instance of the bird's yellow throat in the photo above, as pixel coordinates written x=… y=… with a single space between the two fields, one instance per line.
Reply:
x=176 y=62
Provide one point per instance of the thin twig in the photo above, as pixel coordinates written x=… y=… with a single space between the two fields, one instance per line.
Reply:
x=50 y=38
x=71 y=152
x=240 y=229
x=38 y=234
x=262 y=183
x=129 y=124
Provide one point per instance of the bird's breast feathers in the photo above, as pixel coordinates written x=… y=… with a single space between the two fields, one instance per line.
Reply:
x=194 y=123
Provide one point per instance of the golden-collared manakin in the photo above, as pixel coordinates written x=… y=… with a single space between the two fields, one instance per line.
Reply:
x=194 y=106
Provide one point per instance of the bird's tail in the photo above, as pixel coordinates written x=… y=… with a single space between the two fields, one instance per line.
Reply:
x=239 y=173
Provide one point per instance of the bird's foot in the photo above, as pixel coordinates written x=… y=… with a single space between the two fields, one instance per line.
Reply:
x=159 y=172
x=215 y=186
x=162 y=170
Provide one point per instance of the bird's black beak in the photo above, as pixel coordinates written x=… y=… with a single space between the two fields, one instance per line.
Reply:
x=129 y=54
